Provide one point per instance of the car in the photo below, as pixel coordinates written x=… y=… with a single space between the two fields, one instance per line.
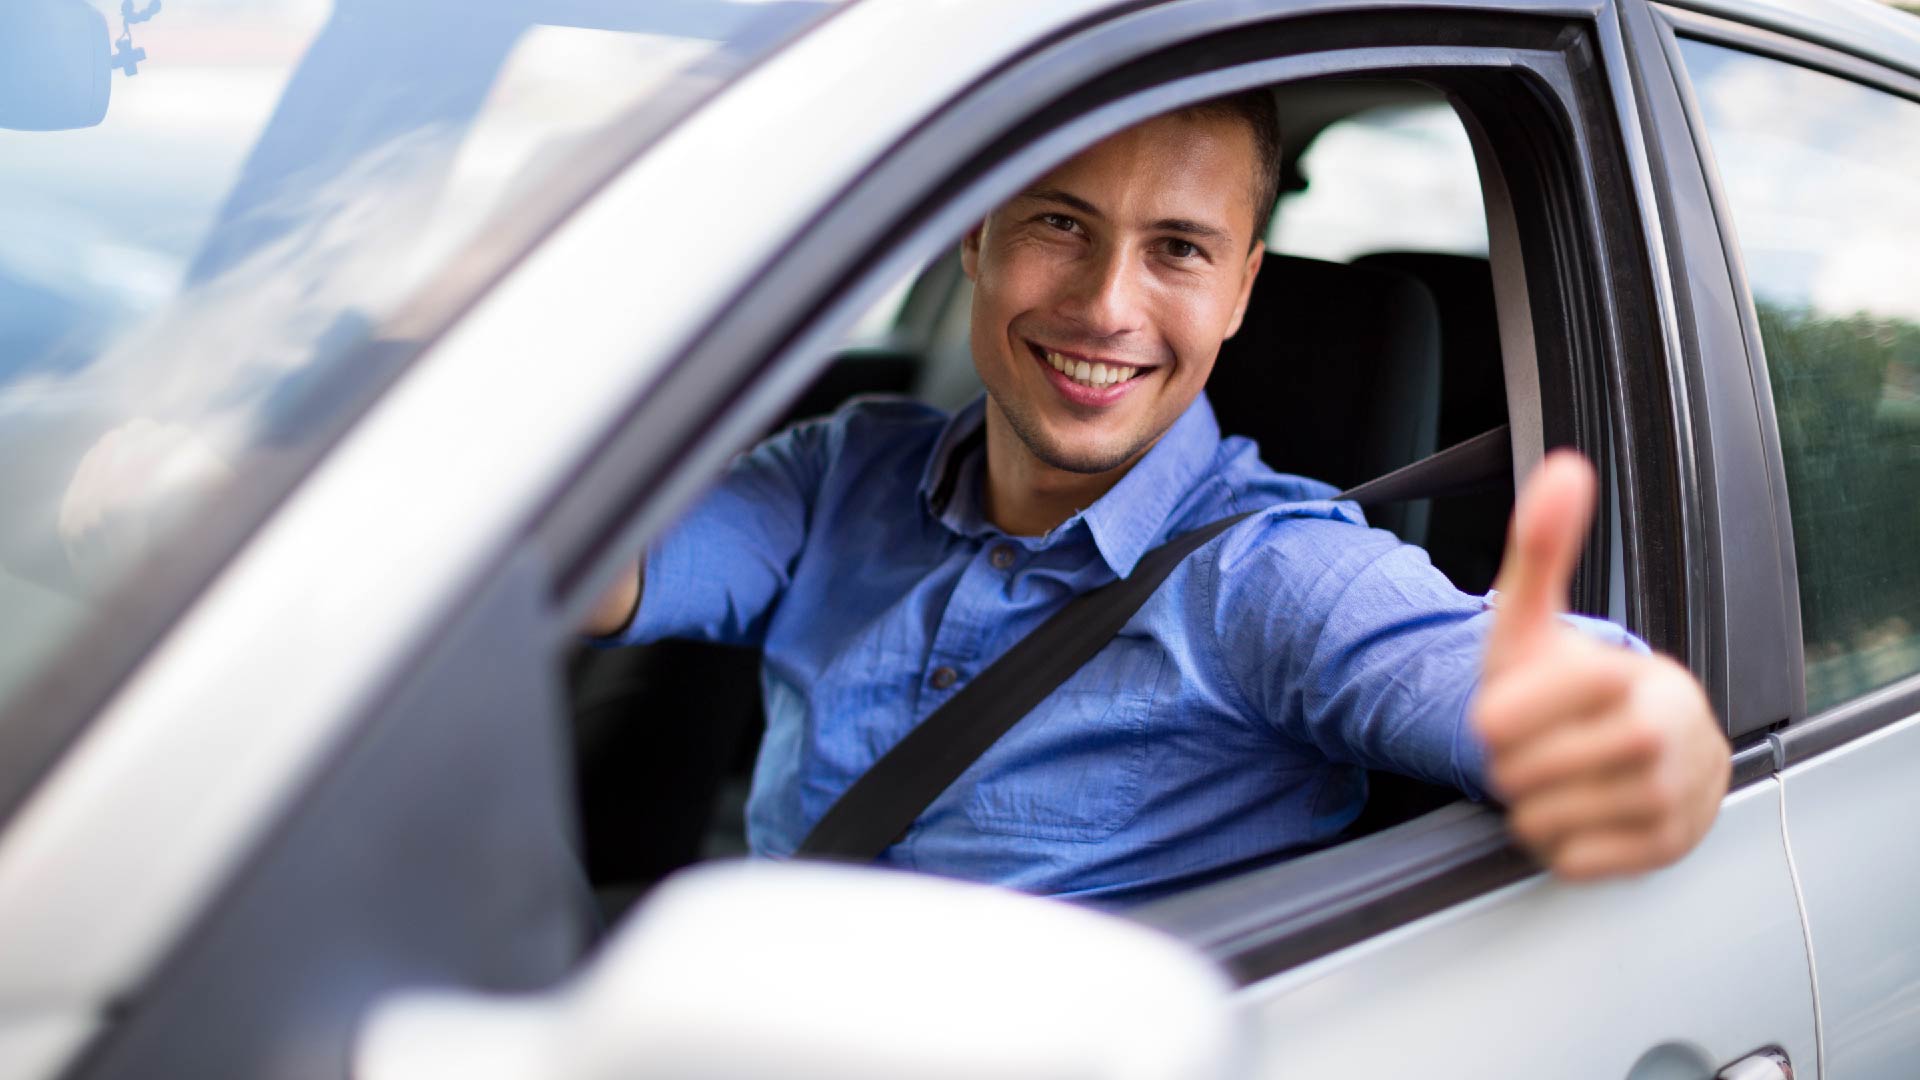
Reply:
x=349 y=350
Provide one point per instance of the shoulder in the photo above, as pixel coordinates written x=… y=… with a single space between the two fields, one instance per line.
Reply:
x=1297 y=535
x=1256 y=484
x=1283 y=508
x=862 y=429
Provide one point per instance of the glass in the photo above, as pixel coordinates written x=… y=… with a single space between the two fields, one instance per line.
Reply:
x=1820 y=174
x=191 y=287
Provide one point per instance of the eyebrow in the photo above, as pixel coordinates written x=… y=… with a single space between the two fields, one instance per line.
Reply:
x=1183 y=226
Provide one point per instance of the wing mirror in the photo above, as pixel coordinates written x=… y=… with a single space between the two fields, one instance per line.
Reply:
x=54 y=70
x=813 y=972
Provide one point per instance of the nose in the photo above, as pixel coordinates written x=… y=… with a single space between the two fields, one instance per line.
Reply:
x=1105 y=295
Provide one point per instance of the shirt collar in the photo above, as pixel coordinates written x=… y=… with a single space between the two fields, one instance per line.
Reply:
x=1124 y=523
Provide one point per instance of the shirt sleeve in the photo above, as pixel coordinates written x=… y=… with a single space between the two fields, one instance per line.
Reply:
x=718 y=573
x=1349 y=641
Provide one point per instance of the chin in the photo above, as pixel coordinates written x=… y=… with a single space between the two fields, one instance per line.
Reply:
x=1088 y=458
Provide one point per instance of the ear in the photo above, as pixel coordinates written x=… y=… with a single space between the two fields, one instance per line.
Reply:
x=1246 y=287
x=970 y=251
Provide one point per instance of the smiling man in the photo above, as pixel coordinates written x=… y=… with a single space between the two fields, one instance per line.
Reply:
x=884 y=556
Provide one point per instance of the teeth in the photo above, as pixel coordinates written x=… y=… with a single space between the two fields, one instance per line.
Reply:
x=1091 y=374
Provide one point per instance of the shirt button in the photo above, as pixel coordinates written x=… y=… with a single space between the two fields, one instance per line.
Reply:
x=944 y=677
x=1002 y=557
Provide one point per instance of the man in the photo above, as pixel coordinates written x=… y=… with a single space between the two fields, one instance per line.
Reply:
x=884 y=556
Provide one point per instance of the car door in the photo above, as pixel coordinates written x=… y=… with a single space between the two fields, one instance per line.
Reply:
x=1433 y=949
x=1413 y=951
x=384 y=807
x=1813 y=151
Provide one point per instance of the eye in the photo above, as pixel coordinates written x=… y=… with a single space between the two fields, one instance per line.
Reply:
x=1061 y=222
x=1182 y=249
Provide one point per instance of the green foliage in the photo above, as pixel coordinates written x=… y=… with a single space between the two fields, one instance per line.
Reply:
x=1847 y=396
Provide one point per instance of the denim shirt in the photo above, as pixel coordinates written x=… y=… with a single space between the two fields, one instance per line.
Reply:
x=1233 y=717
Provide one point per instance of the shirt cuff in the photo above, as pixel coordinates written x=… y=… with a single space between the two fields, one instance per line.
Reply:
x=1470 y=753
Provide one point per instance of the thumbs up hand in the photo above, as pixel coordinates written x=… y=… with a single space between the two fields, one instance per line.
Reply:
x=1609 y=761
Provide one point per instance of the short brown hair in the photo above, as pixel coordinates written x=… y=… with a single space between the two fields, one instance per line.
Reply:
x=1255 y=109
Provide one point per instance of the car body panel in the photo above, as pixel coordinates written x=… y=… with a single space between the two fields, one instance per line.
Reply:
x=1851 y=816
x=1871 y=30
x=1568 y=981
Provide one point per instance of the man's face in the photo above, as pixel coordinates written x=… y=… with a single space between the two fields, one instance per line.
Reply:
x=1134 y=257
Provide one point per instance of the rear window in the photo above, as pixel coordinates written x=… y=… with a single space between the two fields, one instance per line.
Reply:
x=1821 y=176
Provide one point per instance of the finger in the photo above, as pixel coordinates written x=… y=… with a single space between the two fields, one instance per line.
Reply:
x=1549 y=527
x=1563 y=755
x=1578 y=679
x=1627 y=799
x=1614 y=852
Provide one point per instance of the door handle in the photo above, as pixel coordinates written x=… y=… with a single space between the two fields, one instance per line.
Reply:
x=1768 y=1064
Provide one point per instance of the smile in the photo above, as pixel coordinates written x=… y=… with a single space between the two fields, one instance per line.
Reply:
x=1085 y=379
x=1095 y=374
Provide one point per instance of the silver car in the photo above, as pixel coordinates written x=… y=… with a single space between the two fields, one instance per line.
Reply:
x=348 y=348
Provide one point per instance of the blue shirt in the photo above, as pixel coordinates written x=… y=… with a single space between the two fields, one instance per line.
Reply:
x=1232 y=717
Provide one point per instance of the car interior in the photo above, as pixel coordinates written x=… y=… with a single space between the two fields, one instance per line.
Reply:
x=1370 y=342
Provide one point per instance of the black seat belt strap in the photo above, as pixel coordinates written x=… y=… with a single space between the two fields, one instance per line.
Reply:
x=1460 y=468
x=876 y=811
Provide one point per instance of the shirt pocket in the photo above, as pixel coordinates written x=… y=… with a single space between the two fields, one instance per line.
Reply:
x=1074 y=768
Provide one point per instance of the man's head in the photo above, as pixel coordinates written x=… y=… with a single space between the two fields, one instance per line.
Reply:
x=1135 y=257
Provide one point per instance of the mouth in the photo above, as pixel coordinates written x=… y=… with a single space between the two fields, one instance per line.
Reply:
x=1087 y=380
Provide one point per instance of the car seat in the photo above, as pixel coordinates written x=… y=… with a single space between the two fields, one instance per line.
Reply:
x=1335 y=373
x=1466 y=533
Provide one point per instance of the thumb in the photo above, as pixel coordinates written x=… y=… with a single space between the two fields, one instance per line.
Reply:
x=1550 y=519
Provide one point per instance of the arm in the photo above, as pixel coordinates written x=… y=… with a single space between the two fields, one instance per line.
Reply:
x=1608 y=760
x=615 y=609
x=718 y=573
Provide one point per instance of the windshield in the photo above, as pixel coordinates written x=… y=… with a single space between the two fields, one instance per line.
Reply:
x=210 y=219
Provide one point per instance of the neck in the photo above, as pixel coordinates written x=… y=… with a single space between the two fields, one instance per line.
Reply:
x=1025 y=496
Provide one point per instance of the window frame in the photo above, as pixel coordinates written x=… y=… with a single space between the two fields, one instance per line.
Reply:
x=1801 y=735
x=962 y=162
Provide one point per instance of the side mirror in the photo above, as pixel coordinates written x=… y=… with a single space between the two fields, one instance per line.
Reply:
x=54 y=72
x=813 y=972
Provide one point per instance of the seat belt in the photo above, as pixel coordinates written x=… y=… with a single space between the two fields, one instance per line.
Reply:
x=876 y=811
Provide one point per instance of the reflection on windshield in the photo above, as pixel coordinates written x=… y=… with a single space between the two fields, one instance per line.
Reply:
x=184 y=286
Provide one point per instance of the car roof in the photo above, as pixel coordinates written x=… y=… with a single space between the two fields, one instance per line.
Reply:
x=1876 y=31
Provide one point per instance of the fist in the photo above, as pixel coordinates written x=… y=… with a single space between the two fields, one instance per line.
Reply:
x=1609 y=762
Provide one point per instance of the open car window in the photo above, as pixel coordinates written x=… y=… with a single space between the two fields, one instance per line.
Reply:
x=659 y=791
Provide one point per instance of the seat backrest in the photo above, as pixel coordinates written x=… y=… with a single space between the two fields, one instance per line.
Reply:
x=1336 y=374
x=1465 y=535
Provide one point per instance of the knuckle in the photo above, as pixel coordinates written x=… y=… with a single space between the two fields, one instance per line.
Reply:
x=1659 y=798
x=1646 y=730
x=1531 y=825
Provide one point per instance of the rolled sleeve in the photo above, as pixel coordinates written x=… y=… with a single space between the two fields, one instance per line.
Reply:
x=719 y=572
x=1349 y=641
